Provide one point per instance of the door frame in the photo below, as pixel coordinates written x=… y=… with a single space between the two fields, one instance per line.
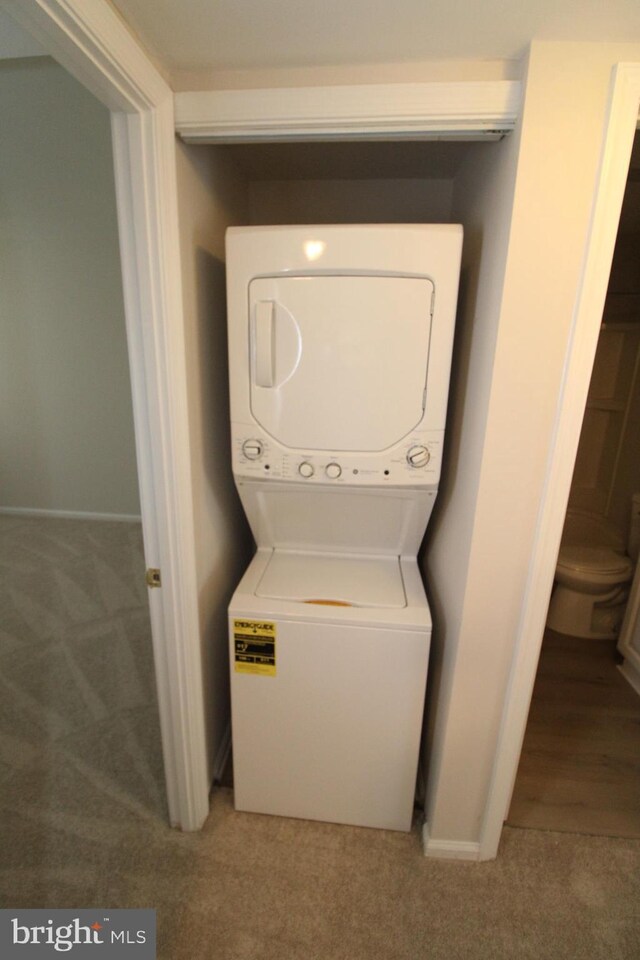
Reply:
x=620 y=125
x=95 y=46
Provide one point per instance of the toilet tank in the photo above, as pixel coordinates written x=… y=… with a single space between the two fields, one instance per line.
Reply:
x=591 y=530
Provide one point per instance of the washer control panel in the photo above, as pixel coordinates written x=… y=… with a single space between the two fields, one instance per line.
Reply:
x=415 y=461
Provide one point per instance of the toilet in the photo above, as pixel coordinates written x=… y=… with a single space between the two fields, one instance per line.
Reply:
x=592 y=576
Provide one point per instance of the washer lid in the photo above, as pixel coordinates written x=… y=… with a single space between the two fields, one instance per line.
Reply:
x=339 y=362
x=600 y=559
x=331 y=579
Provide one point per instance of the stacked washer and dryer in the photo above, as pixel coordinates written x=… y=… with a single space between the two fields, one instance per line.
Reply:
x=340 y=343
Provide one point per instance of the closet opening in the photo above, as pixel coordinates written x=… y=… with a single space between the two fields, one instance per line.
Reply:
x=337 y=182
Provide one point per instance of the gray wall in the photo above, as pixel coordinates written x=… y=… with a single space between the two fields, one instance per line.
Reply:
x=351 y=201
x=66 y=424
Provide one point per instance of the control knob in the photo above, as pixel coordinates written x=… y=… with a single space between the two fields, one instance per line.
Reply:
x=253 y=449
x=305 y=469
x=418 y=455
x=333 y=470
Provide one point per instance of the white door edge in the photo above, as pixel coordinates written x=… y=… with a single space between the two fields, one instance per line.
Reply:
x=93 y=44
x=607 y=202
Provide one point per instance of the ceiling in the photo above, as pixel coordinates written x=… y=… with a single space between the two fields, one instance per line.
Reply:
x=192 y=35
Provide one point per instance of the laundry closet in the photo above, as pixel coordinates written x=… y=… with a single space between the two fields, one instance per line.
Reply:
x=465 y=182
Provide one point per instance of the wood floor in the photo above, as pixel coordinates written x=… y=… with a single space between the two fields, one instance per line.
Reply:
x=580 y=765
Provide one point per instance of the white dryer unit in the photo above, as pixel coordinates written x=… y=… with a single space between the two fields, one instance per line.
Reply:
x=340 y=346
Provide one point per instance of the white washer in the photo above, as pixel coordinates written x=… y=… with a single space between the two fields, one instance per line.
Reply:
x=326 y=725
x=340 y=346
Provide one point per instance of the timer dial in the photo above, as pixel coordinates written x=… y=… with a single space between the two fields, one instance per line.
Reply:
x=253 y=449
x=333 y=470
x=418 y=455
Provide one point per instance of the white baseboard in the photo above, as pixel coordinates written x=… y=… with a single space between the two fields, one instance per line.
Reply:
x=70 y=514
x=449 y=849
x=222 y=755
x=631 y=674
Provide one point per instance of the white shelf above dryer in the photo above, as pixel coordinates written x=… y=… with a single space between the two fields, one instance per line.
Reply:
x=485 y=109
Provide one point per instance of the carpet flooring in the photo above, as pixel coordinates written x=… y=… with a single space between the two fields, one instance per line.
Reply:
x=83 y=821
x=79 y=728
x=251 y=887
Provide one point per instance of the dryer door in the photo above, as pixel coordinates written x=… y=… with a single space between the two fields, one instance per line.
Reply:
x=339 y=362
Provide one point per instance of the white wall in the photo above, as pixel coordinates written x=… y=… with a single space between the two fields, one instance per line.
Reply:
x=510 y=379
x=483 y=199
x=66 y=422
x=211 y=197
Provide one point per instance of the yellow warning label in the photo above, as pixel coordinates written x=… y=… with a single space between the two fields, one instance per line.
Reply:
x=254 y=643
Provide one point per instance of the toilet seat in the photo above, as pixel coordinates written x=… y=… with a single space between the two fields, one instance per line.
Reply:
x=590 y=560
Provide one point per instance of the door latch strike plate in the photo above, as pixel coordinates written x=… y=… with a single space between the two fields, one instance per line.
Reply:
x=153 y=577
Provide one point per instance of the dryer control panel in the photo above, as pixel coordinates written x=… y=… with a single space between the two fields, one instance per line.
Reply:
x=416 y=461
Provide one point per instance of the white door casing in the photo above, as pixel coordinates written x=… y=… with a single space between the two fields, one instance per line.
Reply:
x=622 y=118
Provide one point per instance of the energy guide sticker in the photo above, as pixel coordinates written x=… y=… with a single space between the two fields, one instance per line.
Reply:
x=254 y=643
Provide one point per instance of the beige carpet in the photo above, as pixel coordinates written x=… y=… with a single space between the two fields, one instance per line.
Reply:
x=83 y=822
x=263 y=888
x=79 y=728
